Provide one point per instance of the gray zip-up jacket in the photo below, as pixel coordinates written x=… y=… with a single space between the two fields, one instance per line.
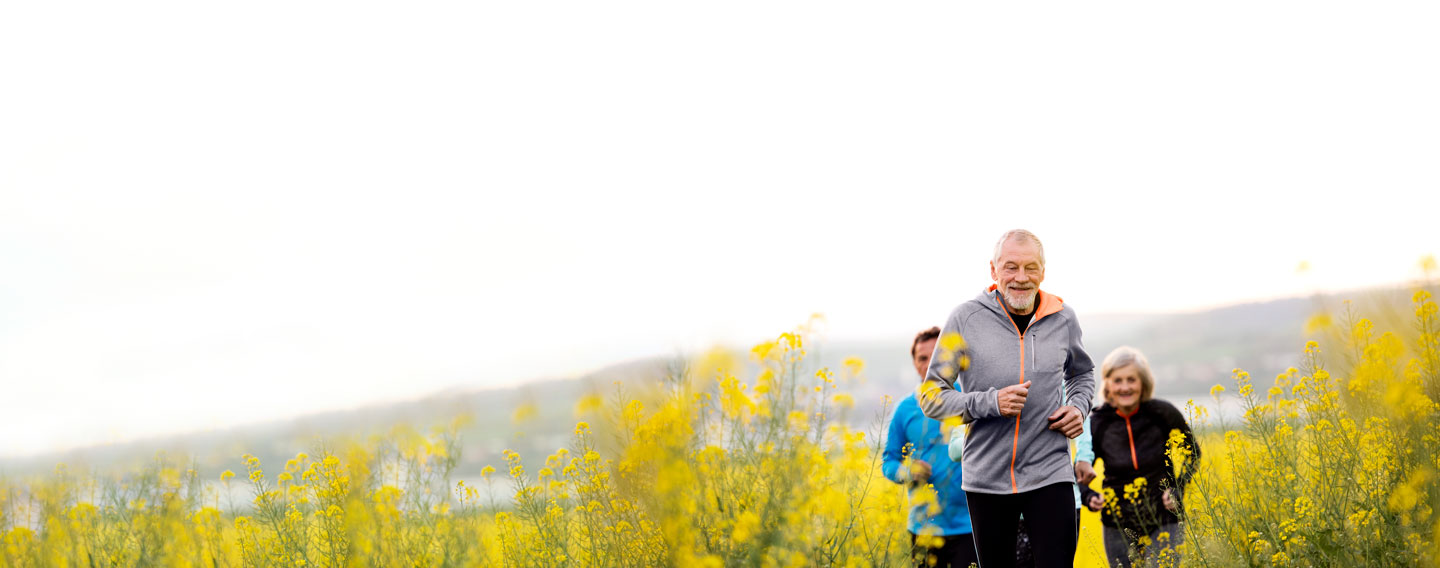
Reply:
x=1009 y=454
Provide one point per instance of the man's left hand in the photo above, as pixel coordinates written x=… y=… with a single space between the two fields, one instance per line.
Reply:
x=1066 y=420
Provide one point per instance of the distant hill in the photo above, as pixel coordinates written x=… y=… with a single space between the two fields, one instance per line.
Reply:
x=1190 y=352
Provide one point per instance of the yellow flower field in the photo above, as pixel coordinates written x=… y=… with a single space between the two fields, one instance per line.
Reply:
x=1334 y=463
x=744 y=463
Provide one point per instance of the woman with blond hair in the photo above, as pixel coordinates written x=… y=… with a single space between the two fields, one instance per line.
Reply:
x=1131 y=433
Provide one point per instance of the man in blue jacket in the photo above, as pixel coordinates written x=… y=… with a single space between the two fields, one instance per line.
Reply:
x=916 y=454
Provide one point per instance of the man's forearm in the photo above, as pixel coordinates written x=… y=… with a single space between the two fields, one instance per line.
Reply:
x=1079 y=389
x=939 y=400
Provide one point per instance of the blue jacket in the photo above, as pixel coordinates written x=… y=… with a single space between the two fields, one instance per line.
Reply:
x=909 y=427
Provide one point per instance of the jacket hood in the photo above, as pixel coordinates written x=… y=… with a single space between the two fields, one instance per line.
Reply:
x=1049 y=303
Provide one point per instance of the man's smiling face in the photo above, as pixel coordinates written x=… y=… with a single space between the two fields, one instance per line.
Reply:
x=1018 y=273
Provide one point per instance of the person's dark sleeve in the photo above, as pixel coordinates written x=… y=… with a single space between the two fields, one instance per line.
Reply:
x=1085 y=494
x=1176 y=421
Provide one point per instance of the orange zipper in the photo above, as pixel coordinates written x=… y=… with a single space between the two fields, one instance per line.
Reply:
x=1015 y=446
x=1129 y=432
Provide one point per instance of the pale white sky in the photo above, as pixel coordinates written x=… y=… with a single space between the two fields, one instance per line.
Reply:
x=216 y=214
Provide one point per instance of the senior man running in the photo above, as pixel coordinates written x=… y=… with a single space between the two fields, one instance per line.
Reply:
x=1002 y=361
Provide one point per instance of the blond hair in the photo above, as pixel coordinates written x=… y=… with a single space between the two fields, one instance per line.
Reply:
x=1124 y=356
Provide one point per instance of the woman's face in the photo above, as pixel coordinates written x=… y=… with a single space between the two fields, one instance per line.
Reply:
x=1123 y=384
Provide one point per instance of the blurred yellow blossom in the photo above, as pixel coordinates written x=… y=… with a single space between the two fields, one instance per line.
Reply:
x=525 y=413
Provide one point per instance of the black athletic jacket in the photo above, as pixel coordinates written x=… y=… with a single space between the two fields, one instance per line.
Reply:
x=1134 y=446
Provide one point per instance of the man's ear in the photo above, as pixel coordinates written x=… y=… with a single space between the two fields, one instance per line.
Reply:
x=993 y=275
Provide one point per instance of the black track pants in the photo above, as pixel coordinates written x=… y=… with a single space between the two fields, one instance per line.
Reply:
x=1049 y=515
x=957 y=552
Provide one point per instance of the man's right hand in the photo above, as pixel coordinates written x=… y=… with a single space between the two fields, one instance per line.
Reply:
x=1012 y=398
x=1083 y=472
x=919 y=472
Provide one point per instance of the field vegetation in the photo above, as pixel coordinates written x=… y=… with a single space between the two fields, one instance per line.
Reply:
x=744 y=460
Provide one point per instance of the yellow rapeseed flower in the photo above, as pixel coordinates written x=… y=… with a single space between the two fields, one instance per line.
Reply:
x=952 y=341
x=588 y=404
x=762 y=351
x=1317 y=323
x=745 y=526
x=525 y=413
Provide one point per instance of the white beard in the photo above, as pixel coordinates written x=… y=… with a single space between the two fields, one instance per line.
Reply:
x=1024 y=302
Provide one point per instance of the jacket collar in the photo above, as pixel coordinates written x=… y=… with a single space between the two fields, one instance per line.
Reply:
x=1049 y=303
x=1110 y=408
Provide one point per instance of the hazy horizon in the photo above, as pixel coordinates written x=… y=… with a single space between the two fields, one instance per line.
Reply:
x=829 y=343
x=213 y=216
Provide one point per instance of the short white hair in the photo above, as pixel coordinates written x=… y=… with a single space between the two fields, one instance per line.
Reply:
x=1124 y=356
x=1019 y=235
